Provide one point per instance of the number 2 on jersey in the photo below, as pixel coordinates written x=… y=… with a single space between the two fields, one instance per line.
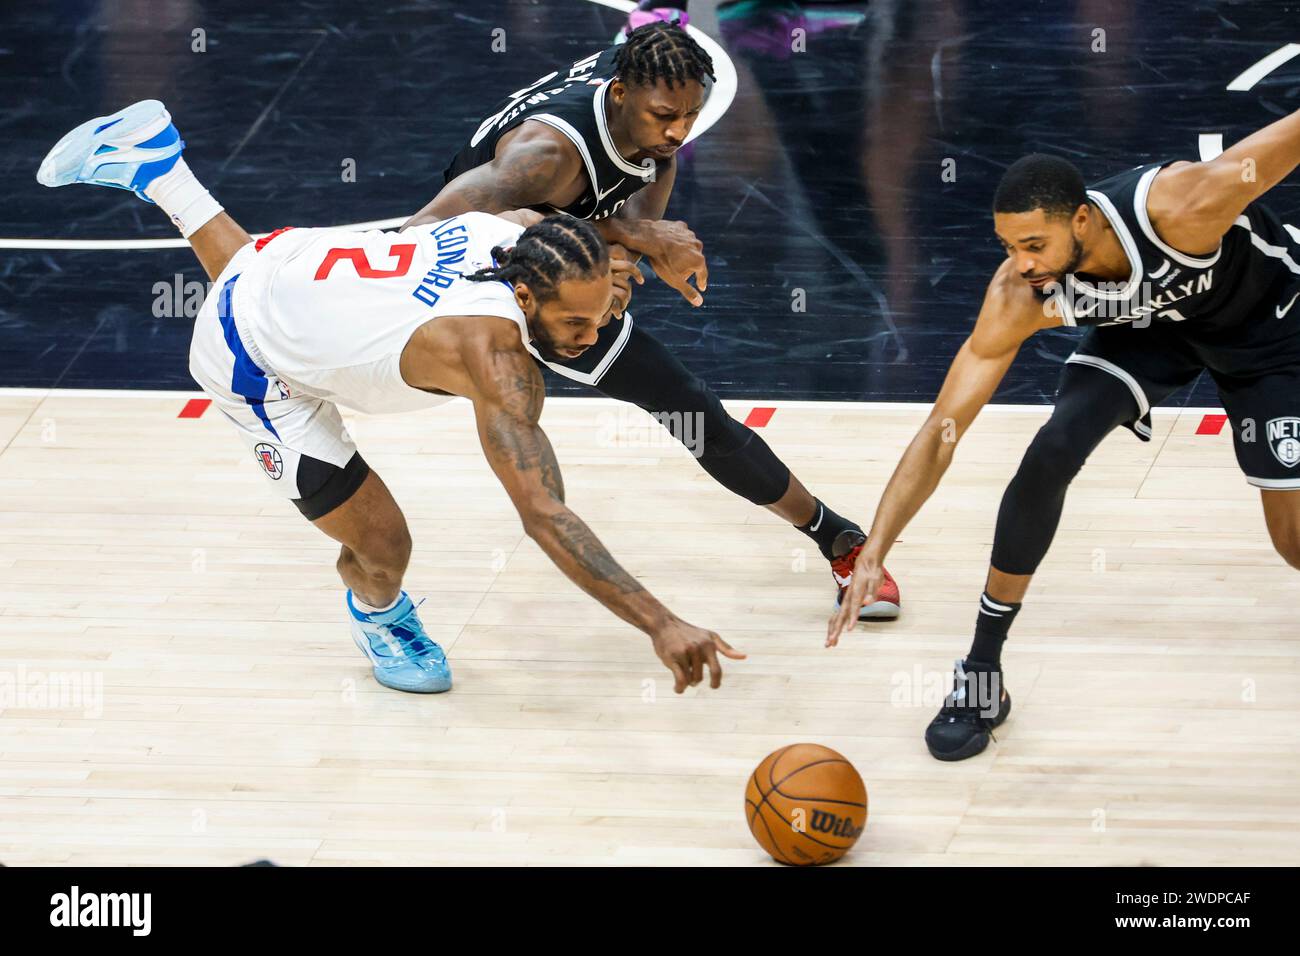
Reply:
x=404 y=253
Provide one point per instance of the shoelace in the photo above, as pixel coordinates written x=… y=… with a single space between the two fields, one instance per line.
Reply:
x=412 y=643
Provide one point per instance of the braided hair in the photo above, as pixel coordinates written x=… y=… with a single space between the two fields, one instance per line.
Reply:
x=662 y=51
x=557 y=248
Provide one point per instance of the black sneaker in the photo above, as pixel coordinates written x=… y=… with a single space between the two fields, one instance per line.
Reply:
x=963 y=727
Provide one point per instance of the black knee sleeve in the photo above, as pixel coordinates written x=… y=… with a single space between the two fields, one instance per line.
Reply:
x=734 y=454
x=1089 y=405
x=650 y=377
x=325 y=486
x=1031 y=505
x=751 y=470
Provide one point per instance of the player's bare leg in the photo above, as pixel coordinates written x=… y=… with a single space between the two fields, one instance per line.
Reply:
x=216 y=243
x=1007 y=588
x=797 y=505
x=376 y=548
x=386 y=626
x=1282 y=515
x=375 y=539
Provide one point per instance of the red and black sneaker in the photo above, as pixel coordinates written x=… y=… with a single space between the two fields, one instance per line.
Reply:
x=887 y=604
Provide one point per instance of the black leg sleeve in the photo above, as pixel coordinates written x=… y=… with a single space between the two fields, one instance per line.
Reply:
x=650 y=377
x=1089 y=405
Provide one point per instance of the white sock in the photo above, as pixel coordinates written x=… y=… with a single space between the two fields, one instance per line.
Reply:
x=179 y=194
x=365 y=608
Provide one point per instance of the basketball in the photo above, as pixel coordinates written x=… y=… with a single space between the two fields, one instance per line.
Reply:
x=806 y=805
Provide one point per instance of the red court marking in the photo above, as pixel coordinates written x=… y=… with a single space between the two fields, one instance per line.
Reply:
x=1211 y=424
x=195 y=407
x=758 y=417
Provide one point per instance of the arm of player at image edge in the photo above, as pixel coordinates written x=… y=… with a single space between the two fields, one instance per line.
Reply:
x=671 y=248
x=508 y=392
x=1192 y=205
x=1009 y=315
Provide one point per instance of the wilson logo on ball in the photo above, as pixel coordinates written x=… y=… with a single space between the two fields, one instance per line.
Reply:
x=830 y=824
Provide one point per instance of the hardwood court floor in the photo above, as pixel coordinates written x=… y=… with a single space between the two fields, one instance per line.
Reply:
x=1153 y=668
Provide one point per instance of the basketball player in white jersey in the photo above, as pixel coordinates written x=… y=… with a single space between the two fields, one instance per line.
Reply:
x=307 y=320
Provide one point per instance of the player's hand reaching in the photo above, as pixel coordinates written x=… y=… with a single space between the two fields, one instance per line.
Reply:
x=686 y=650
x=678 y=255
x=623 y=270
x=868 y=577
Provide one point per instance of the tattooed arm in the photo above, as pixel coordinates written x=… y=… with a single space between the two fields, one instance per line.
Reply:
x=507 y=391
x=535 y=165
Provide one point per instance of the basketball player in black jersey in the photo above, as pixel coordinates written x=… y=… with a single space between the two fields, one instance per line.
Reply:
x=597 y=140
x=1175 y=268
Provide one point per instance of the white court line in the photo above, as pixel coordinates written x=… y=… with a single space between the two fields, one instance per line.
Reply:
x=577 y=400
x=1210 y=145
x=1249 y=77
x=724 y=91
x=138 y=244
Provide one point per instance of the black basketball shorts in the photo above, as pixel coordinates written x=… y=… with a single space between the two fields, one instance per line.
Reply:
x=1255 y=364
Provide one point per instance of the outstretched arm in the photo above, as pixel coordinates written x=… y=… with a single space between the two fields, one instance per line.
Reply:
x=1008 y=317
x=1192 y=205
x=507 y=391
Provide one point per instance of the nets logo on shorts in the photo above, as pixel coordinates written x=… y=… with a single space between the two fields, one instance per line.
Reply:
x=269 y=458
x=1284 y=439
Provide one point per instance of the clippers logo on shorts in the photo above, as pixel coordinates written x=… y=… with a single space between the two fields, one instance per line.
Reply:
x=269 y=458
x=1284 y=439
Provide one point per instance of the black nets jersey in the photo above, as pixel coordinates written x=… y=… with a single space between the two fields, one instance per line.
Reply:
x=571 y=100
x=1257 y=257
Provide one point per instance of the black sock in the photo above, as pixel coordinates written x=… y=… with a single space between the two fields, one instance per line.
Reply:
x=991 y=627
x=825 y=526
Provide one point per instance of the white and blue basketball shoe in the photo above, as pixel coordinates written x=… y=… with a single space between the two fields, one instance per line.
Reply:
x=403 y=655
x=127 y=150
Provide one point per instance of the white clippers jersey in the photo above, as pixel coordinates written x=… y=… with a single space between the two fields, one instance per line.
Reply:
x=329 y=310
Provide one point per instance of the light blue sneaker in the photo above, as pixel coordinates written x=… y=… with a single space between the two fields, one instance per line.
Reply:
x=403 y=655
x=127 y=150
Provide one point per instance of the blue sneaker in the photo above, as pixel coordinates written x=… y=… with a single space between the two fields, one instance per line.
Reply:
x=127 y=150
x=403 y=655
